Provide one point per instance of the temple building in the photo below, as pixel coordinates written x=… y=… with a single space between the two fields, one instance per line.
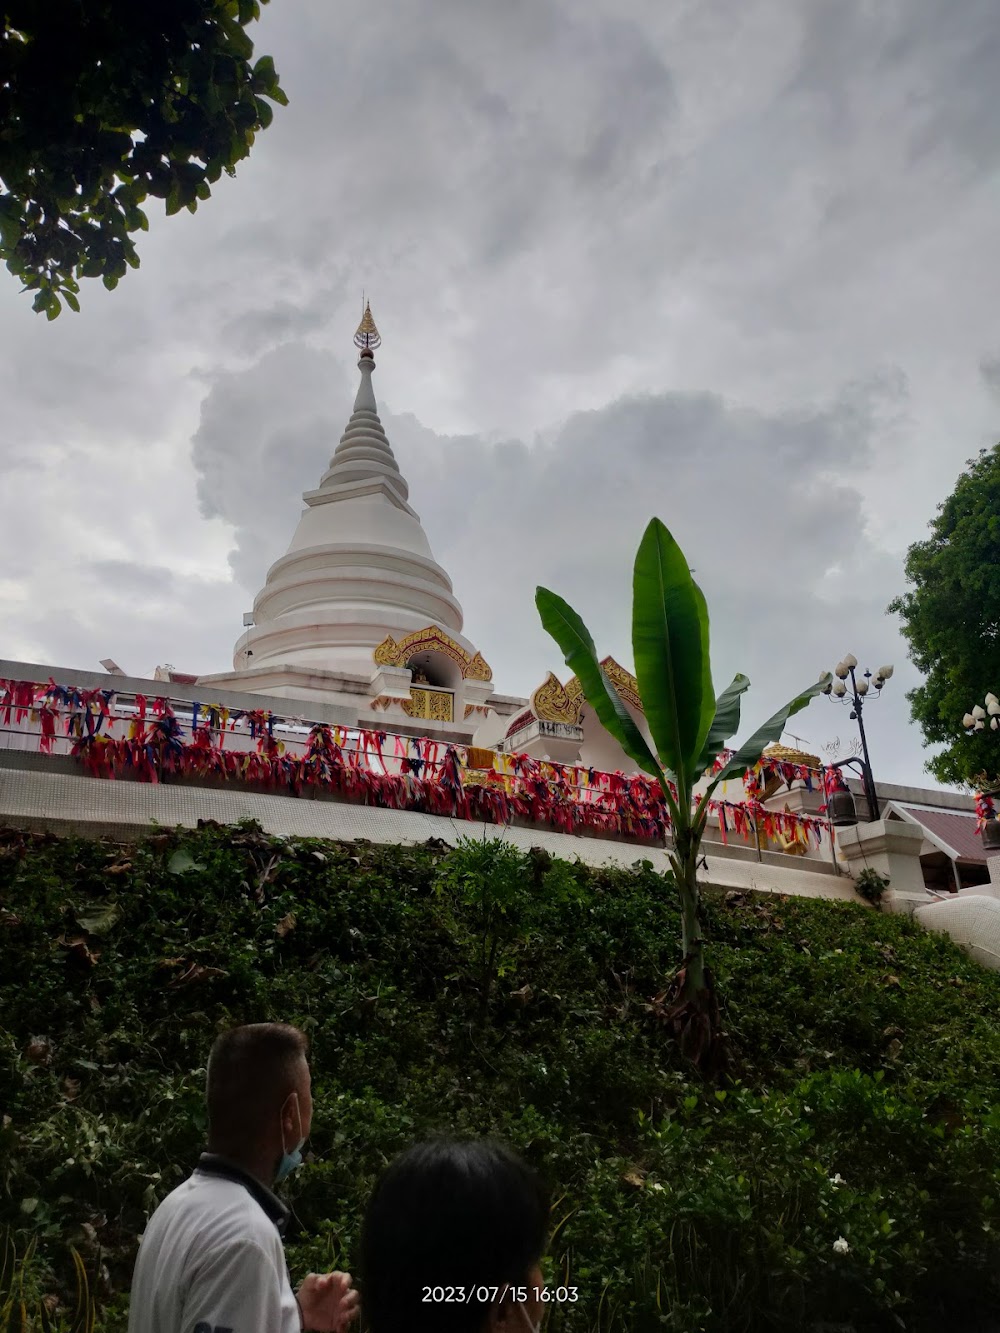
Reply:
x=358 y=613
x=355 y=686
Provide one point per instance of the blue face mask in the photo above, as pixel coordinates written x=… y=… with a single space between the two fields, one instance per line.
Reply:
x=290 y=1160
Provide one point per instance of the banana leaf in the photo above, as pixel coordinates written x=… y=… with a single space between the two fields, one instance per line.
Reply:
x=670 y=649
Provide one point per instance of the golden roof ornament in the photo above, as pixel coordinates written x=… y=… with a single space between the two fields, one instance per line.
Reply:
x=782 y=754
x=367 y=336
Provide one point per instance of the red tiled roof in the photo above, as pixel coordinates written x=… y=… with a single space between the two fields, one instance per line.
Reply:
x=182 y=678
x=956 y=831
x=520 y=721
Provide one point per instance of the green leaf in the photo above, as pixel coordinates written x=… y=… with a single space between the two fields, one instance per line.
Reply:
x=726 y=722
x=53 y=307
x=278 y=95
x=573 y=638
x=98 y=919
x=236 y=39
x=751 y=750
x=265 y=111
x=10 y=230
x=670 y=647
x=71 y=300
x=110 y=281
x=181 y=862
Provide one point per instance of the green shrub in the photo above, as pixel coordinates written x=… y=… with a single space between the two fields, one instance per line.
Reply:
x=871 y=885
x=24 y=1309
x=443 y=990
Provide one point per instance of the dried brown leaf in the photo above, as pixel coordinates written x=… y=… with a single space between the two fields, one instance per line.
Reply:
x=195 y=973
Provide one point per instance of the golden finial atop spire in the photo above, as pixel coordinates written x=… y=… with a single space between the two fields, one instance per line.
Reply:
x=367 y=336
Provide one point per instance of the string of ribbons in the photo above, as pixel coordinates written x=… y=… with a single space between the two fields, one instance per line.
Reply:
x=434 y=777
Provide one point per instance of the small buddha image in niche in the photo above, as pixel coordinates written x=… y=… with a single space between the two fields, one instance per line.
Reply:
x=419 y=676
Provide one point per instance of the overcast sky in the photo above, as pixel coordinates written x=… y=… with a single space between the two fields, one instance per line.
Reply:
x=728 y=262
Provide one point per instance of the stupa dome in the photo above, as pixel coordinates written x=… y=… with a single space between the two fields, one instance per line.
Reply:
x=359 y=567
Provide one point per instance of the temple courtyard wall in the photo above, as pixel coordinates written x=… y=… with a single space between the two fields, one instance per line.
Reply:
x=52 y=793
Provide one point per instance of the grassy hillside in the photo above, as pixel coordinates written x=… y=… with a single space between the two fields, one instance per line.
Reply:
x=866 y=1106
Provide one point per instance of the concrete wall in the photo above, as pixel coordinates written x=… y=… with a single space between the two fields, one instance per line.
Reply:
x=39 y=793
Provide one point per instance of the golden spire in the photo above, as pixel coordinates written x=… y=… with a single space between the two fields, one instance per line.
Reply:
x=367 y=336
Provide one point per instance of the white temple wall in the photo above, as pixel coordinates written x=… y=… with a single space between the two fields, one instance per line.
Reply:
x=492 y=730
x=354 y=588
x=600 y=749
x=362 y=522
x=336 y=639
x=336 y=555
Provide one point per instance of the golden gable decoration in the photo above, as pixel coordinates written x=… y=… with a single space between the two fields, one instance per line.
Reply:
x=387 y=652
x=551 y=703
x=477 y=669
x=626 y=685
x=393 y=654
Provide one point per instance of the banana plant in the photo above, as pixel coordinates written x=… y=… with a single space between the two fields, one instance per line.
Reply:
x=689 y=728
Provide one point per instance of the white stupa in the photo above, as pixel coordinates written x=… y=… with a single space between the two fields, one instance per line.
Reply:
x=358 y=606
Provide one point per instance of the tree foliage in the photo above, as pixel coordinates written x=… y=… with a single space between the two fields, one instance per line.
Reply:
x=105 y=103
x=951 y=620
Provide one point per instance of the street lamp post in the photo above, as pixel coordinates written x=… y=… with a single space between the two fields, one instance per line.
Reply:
x=975 y=720
x=855 y=696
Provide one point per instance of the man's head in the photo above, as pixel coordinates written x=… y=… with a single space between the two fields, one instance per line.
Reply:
x=259 y=1095
x=450 y=1214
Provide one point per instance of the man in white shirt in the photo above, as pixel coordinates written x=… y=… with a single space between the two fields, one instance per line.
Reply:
x=211 y=1258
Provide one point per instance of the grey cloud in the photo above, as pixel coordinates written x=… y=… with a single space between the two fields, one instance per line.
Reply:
x=126 y=579
x=265 y=436
x=934 y=66
x=254 y=331
x=180 y=626
x=476 y=133
x=744 y=493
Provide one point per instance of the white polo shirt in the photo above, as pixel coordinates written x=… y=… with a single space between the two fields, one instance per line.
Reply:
x=211 y=1258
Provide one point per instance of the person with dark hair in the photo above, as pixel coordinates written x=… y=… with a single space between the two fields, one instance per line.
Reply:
x=452 y=1241
x=211 y=1257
